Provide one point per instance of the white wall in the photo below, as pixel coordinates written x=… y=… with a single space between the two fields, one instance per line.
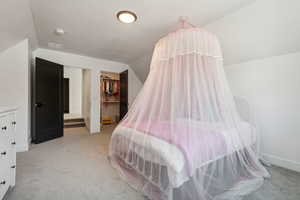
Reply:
x=272 y=86
x=96 y=66
x=260 y=44
x=75 y=91
x=141 y=66
x=14 y=88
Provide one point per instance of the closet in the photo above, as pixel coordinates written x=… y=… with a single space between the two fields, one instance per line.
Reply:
x=7 y=149
x=110 y=98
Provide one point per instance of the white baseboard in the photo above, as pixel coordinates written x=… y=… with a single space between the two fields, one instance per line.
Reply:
x=22 y=147
x=281 y=162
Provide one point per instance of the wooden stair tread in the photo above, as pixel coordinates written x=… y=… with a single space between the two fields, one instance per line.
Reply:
x=74 y=120
x=73 y=123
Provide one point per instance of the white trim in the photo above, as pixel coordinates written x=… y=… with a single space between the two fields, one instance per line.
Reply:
x=22 y=148
x=282 y=162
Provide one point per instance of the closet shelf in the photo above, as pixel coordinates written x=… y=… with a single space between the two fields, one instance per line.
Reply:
x=110 y=79
x=111 y=101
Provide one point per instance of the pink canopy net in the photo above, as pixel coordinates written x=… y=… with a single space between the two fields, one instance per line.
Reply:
x=183 y=138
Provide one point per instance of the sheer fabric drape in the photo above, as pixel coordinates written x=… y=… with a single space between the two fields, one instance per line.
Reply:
x=183 y=137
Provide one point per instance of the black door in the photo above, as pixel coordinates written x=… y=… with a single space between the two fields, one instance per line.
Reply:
x=66 y=96
x=47 y=101
x=123 y=94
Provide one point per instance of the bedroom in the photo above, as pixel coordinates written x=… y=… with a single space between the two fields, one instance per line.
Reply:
x=260 y=47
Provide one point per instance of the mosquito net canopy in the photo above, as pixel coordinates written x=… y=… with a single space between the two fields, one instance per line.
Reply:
x=183 y=138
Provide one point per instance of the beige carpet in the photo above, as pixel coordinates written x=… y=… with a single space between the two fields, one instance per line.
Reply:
x=75 y=167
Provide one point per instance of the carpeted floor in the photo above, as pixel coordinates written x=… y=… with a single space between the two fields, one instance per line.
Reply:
x=75 y=167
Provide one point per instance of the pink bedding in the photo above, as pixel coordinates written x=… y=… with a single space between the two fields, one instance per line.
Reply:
x=197 y=143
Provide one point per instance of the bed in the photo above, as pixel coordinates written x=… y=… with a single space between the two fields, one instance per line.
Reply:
x=151 y=145
x=183 y=138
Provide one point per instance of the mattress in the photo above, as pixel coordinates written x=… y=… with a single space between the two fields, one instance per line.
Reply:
x=173 y=157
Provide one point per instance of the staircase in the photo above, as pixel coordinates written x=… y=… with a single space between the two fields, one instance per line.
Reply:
x=74 y=123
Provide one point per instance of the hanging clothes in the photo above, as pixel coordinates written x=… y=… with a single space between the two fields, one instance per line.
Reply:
x=111 y=87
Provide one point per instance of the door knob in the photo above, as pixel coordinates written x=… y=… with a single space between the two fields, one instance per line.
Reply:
x=38 y=104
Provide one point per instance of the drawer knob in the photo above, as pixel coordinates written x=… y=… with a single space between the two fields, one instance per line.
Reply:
x=3 y=153
x=14 y=123
x=4 y=128
x=13 y=167
x=2 y=182
x=13 y=143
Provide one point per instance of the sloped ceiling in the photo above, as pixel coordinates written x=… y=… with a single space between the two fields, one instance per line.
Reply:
x=258 y=30
x=16 y=23
x=92 y=28
x=247 y=29
x=263 y=29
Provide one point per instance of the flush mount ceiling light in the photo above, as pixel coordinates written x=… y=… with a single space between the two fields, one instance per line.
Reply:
x=126 y=17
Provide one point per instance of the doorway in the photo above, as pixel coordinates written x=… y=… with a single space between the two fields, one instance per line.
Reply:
x=73 y=84
x=56 y=100
x=114 y=97
x=93 y=103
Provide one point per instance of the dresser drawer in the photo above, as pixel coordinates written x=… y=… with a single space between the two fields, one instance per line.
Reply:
x=12 y=164
x=4 y=165
x=5 y=155
x=12 y=121
x=4 y=168
x=4 y=182
x=6 y=132
x=7 y=151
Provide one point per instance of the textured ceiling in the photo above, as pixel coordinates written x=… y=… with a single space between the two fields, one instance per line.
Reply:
x=92 y=28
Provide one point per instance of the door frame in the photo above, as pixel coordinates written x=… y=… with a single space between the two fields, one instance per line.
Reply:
x=127 y=76
x=66 y=96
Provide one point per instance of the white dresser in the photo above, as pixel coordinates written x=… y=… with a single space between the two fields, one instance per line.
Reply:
x=7 y=149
